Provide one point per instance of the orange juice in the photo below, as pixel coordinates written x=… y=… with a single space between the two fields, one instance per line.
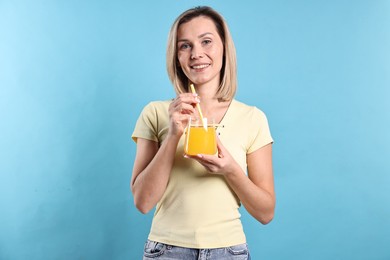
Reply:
x=200 y=141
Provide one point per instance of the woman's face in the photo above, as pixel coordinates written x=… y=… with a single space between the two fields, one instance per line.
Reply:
x=200 y=51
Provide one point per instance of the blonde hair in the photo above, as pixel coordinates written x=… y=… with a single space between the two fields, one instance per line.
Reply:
x=228 y=85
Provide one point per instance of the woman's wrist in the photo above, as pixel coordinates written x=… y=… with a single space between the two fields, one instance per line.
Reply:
x=173 y=138
x=233 y=171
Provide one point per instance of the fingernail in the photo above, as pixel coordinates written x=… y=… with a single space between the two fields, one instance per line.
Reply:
x=197 y=100
x=185 y=156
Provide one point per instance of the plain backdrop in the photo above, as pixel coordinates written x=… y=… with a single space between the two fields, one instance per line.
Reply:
x=74 y=76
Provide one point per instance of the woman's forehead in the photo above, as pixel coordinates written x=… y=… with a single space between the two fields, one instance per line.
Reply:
x=197 y=27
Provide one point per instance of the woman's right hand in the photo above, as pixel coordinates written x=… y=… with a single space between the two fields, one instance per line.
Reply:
x=153 y=163
x=181 y=108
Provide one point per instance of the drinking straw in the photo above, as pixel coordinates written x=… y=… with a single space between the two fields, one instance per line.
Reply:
x=204 y=121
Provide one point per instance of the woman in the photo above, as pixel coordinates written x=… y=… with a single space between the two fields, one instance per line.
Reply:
x=197 y=198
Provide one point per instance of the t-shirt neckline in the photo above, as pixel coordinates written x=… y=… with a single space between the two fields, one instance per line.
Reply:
x=227 y=112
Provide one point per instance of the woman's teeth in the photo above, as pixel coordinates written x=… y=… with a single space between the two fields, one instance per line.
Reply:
x=200 y=66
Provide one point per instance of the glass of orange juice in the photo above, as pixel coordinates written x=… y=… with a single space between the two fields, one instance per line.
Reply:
x=200 y=138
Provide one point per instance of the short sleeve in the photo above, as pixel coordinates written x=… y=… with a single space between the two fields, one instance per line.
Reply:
x=260 y=132
x=146 y=125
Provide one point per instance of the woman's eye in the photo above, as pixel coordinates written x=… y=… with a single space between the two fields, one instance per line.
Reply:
x=184 y=46
x=206 y=42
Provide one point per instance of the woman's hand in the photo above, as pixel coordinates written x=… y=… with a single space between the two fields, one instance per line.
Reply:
x=222 y=164
x=179 y=111
x=255 y=191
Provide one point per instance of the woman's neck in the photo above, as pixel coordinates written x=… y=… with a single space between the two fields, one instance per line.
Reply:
x=207 y=92
x=211 y=106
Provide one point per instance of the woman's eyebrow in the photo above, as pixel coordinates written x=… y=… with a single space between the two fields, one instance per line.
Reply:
x=199 y=37
x=204 y=34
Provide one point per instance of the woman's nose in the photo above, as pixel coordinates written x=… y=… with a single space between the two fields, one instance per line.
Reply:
x=196 y=53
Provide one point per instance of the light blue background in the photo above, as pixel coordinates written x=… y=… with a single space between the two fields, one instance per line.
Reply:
x=74 y=76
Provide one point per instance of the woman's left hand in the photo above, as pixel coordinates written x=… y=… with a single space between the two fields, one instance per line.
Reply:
x=222 y=163
x=255 y=191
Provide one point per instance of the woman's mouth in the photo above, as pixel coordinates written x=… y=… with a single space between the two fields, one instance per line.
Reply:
x=200 y=66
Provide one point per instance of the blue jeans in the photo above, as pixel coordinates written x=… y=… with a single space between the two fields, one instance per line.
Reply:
x=160 y=251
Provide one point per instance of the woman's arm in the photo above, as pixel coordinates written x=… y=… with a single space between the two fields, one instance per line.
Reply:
x=256 y=192
x=153 y=164
x=151 y=171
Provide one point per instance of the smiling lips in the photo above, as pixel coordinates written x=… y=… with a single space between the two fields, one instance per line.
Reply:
x=200 y=66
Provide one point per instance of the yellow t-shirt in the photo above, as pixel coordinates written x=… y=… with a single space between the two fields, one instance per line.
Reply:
x=198 y=209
